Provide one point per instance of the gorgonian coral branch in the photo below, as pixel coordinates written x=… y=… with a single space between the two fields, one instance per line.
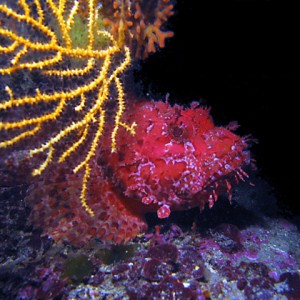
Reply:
x=139 y=23
x=47 y=47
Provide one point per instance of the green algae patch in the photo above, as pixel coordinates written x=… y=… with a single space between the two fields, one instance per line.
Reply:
x=116 y=253
x=76 y=268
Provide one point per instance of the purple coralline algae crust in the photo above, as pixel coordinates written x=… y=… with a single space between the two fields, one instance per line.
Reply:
x=226 y=261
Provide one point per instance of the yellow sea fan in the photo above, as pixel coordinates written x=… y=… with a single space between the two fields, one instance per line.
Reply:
x=36 y=40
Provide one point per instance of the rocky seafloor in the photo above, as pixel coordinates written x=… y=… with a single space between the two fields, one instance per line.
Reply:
x=227 y=252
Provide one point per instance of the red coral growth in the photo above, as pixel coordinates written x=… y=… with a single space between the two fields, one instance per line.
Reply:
x=58 y=211
x=177 y=160
x=138 y=23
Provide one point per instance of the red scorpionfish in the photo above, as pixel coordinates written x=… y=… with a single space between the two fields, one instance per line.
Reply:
x=177 y=160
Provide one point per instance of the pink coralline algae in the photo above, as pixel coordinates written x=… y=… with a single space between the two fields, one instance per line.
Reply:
x=177 y=160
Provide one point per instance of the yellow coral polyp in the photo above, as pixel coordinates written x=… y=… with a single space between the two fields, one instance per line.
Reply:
x=58 y=50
